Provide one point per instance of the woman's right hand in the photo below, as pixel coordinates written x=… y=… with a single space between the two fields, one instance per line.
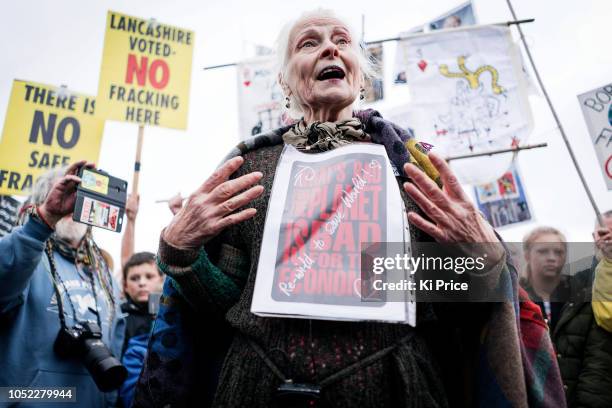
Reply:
x=210 y=208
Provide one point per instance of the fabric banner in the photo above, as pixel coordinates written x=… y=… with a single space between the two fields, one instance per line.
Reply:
x=323 y=208
x=468 y=96
x=503 y=202
x=460 y=16
x=259 y=97
x=8 y=214
x=146 y=72
x=401 y=55
x=45 y=127
x=597 y=110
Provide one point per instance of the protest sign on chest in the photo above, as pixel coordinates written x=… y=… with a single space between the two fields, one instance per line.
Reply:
x=45 y=127
x=323 y=208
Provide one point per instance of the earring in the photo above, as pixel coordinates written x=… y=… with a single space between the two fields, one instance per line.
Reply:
x=287 y=102
x=362 y=92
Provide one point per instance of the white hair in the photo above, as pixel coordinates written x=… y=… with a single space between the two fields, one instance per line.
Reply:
x=41 y=190
x=367 y=64
x=43 y=185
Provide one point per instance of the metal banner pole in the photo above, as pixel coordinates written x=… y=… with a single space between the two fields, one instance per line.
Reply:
x=554 y=113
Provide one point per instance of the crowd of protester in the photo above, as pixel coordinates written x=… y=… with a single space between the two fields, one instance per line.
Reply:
x=175 y=328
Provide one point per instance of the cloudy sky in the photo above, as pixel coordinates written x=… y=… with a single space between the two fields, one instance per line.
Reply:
x=61 y=42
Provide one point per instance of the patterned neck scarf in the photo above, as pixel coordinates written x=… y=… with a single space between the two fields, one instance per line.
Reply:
x=89 y=255
x=79 y=254
x=400 y=144
x=324 y=136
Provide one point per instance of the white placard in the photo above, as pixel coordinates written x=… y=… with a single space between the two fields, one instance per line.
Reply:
x=322 y=208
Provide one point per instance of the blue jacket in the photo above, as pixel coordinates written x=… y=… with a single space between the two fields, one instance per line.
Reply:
x=133 y=359
x=29 y=320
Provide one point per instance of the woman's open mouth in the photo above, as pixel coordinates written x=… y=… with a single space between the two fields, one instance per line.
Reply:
x=331 y=72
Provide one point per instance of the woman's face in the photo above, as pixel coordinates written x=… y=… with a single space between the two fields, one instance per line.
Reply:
x=323 y=66
x=546 y=257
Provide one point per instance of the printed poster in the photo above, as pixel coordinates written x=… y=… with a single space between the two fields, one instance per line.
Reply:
x=322 y=208
x=503 y=202
x=460 y=16
x=99 y=214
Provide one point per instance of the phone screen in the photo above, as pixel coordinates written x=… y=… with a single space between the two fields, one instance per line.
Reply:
x=94 y=182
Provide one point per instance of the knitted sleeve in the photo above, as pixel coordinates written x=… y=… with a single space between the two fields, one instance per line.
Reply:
x=203 y=284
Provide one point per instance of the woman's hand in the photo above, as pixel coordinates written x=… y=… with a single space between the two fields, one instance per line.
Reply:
x=210 y=208
x=62 y=197
x=454 y=217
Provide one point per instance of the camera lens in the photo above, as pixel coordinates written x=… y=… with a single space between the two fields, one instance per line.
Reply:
x=106 y=371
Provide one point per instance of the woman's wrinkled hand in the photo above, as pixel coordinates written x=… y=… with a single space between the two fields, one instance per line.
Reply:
x=210 y=209
x=454 y=219
x=62 y=196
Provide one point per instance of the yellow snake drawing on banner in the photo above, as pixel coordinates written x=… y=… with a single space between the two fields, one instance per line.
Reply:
x=473 y=77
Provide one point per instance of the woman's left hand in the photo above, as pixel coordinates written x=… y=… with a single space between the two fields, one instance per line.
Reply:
x=454 y=219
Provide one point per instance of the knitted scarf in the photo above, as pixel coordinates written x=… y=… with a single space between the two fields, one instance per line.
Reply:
x=80 y=254
x=325 y=135
x=90 y=255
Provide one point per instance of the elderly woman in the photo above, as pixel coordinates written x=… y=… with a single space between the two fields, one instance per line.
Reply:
x=212 y=246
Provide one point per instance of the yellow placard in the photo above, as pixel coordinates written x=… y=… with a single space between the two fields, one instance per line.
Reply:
x=146 y=72
x=45 y=128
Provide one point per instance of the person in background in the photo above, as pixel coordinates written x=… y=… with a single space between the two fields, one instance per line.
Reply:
x=544 y=250
x=602 y=284
x=141 y=277
x=584 y=350
x=127 y=241
x=54 y=281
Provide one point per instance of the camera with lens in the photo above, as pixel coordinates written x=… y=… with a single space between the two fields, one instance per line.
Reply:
x=84 y=341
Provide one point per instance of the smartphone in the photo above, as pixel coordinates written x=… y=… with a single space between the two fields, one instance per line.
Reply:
x=100 y=200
